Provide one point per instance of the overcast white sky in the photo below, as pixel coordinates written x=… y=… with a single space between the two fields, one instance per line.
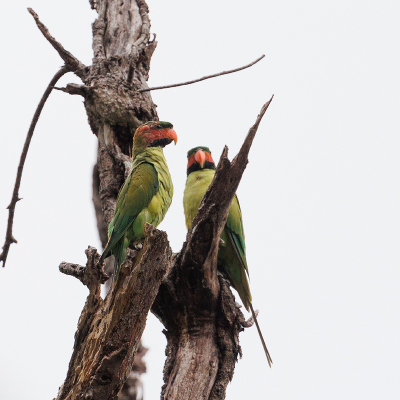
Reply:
x=320 y=197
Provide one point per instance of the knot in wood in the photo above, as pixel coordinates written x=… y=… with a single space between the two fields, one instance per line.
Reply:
x=104 y=379
x=115 y=102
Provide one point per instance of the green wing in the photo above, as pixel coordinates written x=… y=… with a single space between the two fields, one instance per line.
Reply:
x=236 y=271
x=232 y=253
x=235 y=231
x=135 y=195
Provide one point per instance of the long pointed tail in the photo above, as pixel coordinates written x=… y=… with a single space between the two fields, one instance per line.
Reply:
x=113 y=282
x=115 y=272
x=269 y=359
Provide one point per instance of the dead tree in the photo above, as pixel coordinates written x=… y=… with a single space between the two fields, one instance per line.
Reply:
x=184 y=290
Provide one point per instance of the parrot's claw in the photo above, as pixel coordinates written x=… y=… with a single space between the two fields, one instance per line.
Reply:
x=248 y=323
x=138 y=246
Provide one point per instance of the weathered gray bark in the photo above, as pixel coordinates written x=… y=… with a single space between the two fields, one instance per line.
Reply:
x=109 y=331
x=133 y=387
x=190 y=297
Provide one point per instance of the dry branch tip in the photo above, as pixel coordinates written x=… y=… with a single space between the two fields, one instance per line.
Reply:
x=71 y=62
x=241 y=157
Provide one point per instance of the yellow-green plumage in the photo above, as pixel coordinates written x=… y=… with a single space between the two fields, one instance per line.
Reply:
x=232 y=250
x=146 y=194
x=196 y=185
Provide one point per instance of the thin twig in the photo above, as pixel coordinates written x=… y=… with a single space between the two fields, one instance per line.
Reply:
x=71 y=62
x=11 y=208
x=203 y=78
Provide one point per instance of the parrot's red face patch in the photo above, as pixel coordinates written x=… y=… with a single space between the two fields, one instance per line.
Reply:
x=201 y=158
x=156 y=135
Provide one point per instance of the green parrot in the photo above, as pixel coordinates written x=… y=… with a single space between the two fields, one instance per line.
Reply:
x=147 y=192
x=232 y=249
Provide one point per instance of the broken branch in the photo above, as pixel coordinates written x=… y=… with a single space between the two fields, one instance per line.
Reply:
x=73 y=88
x=92 y=275
x=203 y=78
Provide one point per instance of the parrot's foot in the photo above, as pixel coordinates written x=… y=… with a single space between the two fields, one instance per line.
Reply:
x=248 y=323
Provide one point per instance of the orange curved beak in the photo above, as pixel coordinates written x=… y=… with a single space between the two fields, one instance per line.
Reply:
x=172 y=135
x=200 y=157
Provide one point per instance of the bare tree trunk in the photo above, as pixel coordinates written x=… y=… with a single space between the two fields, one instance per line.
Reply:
x=185 y=291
